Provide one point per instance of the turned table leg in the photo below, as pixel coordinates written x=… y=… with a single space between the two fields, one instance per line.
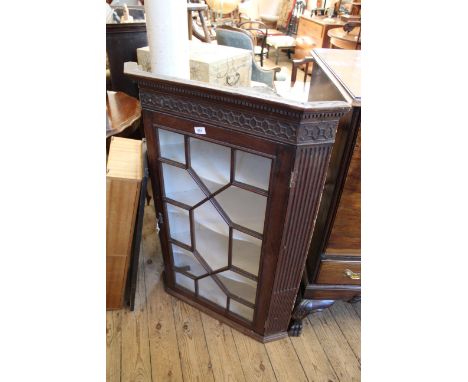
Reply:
x=302 y=310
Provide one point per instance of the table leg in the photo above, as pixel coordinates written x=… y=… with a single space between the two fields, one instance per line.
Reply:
x=277 y=55
x=205 y=29
x=189 y=21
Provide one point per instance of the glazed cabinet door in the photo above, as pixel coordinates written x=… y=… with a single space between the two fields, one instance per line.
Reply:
x=217 y=212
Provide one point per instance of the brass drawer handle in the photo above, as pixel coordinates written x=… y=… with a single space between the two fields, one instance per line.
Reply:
x=352 y=275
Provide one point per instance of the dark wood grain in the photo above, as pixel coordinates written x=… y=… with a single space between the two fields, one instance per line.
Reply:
x=123 y=111
x=334 y=272
x=336 y=245
x=345 y=237
x=122 y=41
x=297 y=138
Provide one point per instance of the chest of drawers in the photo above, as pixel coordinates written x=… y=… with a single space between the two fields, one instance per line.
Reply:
x=333 y=267
x=315 y=28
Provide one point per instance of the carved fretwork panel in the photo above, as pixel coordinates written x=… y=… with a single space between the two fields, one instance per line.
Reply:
x=273 y=122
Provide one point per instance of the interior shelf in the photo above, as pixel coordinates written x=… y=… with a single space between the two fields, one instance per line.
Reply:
x=211 y=236
x=246 y=252
x=211 y=162
x=179 y=224
x=185 y=282
x=241 y=310
x=185 y=259
x=179 y=185
x=244 y=207
x=239 y=285
x=253 y=169
x=208 y=289
x=171 y=146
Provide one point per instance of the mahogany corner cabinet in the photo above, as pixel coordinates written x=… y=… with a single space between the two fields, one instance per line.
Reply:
x=237 y=176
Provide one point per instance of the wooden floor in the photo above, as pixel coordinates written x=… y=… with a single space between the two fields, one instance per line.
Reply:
x=164 y=339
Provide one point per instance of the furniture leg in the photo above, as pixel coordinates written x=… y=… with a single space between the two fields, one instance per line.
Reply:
x=277 y=55
x=189 y=21
x=205 y=28
x=302 y=310
x=355 y=299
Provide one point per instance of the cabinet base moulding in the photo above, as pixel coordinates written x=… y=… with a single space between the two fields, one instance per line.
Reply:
x=224 y=319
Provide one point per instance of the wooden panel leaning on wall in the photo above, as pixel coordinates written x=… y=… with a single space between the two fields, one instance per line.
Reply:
x=123 y=180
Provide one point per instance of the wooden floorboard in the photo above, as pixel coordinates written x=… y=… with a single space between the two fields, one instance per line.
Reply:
x=195 y=359
x=136 y=363
x=225 y=361
x=350 y=325
x=313 y=359
x=285 y=362
x=357 y=308
x=113 y=345
x=165 y=339
x=254 y=358
x=165 y=361
x=336 y=347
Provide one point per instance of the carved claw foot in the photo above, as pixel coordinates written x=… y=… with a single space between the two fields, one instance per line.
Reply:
x=355 y=299
x=302 y=310
x=295 y=328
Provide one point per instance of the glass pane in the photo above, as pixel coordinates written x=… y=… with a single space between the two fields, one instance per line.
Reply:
x=241 y=310
x=179 y=185
x=239 y=285
x=246 y=252
x=211 y=236
x=171 y=146
x=244 y=207
x=208 y=289
x=185 y=282
x=211 y=162
x=185 y=259
x=179 y=223
x=253 y=169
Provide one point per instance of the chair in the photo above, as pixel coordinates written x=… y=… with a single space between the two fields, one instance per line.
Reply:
x=298 y=63
x=239 y=38
x=260 y=33
x=200 y=31
x=266 y=11
x=288 y=41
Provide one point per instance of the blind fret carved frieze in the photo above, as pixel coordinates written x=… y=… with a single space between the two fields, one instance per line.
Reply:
x=270 y=127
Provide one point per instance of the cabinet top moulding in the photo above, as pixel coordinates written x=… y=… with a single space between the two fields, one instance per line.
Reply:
x=266 y=115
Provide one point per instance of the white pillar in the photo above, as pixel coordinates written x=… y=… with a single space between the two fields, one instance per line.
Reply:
x=166 y=26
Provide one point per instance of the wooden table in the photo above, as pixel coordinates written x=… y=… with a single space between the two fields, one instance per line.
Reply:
x=345 y=40
x=317 y=28
x=123 y=113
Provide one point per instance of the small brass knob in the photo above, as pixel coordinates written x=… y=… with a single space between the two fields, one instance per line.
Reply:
x=352 y=275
